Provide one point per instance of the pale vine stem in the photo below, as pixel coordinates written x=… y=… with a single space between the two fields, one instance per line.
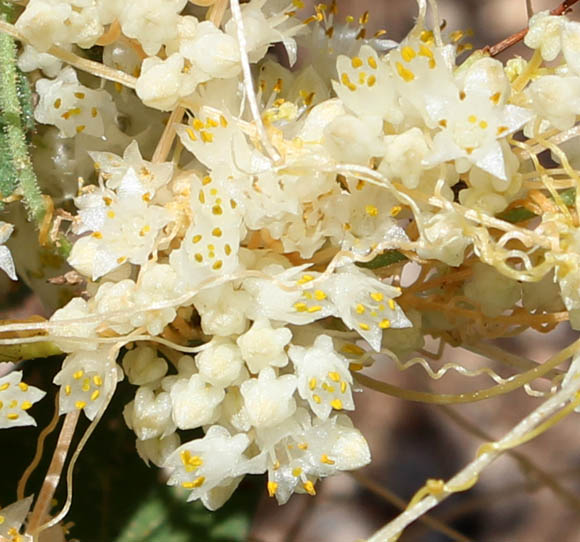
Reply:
x=538 y=421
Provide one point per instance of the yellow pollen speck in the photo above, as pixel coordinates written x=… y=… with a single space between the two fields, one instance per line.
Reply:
x=146 y=197
x=121 y=260
x=372 y=62
x=395 y=210
x=227 y=249
x=309 y=488
x=326 y=387
x=223 y=121
x=5 y=386
x=107 y=201
x=312 y=383
x=363 y=326
x=217 y=265
x=272 y=487
x=483 y=125
x=432 y=63
x=360 y=308
x=211 y=123
x=325 y=459
x=356 y=62
x=336 y=404
x=201 y=197
x=206 y=180
x=86 y=385
x=377 y=296
x=80 y=405
x=305 y=279
x=391 y=304
x=356 y=366
x=334 y=376
x=501 y=130
x=302 y=446
x=80 y=128
x=198 y=257
x=425 y=51
x=371 y=210
x=23 y=386
x=443 y=123
x=317 y=399
x=472 y=119
x=371 y=81
x=462 y=95
x=217 y=210
x=97 y=380
x=95 y=395
x=408 y=53
x=12 y=416
x=94 y=112
x=191 y=134
x=320 y=295
x=300 y=307
x=385 y=324
x=78 y=374
x=297 y=471
x=405 y=74
x=111 y=214
x=198 y=124
x=79 y=95
x=469 y=150
x=351 y=348
x=347 y=82
x=196 y=238
x=206 y=137
x=362 y=78
x=216 y=232
x=314 y=308
x=495 y=98
x=26 y=405
x=343 y=387
x=57 y=103
x=67 y=390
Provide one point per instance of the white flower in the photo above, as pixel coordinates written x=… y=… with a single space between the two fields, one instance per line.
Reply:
x=203 y=464
x=72 y=107
x=313 y=452
x=263 y=346
x=6 y=261
x=323 y=377
x=30 y=59
x=76 y=309
x=150 y=414
x=223 y=310
x=16 y=397
x=544 y=33
x=143 y=366
x=12 y=518
x=86 y=381
x=220 y=363
x=556 y=99
x=269 y=399
x=195 y=402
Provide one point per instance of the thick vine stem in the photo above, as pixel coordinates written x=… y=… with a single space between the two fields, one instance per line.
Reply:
x=434 y=493
x=10 y=111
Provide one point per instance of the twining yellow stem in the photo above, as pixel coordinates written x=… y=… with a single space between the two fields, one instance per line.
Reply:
x=479 y=395
x=52 y=478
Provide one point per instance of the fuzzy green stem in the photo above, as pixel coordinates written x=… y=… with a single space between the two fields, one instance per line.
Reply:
x=15 y=145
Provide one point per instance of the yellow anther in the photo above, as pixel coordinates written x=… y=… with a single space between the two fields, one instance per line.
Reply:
x=302 y=446
x=336 y=404
x=26 y=405
x=80 y=405
x=13 y=403
x=425 y=51
x=227 y=249
x=408 y=53
x=86 y=385
x=57 y=103
x=363 y=326
x=211 y=123
x=276 y=465
x=217 y=265
x=391 y=304
x=198 y=124
x=309 y=488
x=325 y=459
x=316 y=399
x=483 y=125
x=217 y=232
x=305 y=279
x=395 y=210
x=371 y=81
x=349 y=19
x=314 y=308
x=372 y=62
x=12 y=416
x=443 y=123
x=206 y=137
x=94 y=112
x=312 y=383
x=350 y=348
x=377 y=296
x=191 y=134
x=301 y=307
x=495 y=98
x=356 y=367
x=356 y=62
x=5 y=386
x=501 y=130
x=472 y=119
x=334 y=376
x=23 y=386
x=78 y=374
x=217 y=210
x=144 y=230
x=146 y=197
x=296 y=471
x=79 y=95
x=198 y=257
x=469 y=150
x=326 y=387
x=107 y=201
x=97 y=380
x=385 y=324
x=371 y=210
x=427 y=36
x=223 y=121
x=347 y=82
x=364 y=18
x=343 y=387
x=456 y=35
x=462 y=95
x=121 y=260
x=111 y=214
x=362 y=76
x=272 y=487
x=95 y=395
x=319 y=295
x=360 y=309
x=67 y=390
x=80 y=128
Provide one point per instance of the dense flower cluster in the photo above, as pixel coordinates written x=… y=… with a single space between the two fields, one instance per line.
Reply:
x=236 y=275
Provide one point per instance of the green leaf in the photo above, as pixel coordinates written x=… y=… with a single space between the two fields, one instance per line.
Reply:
x=388 y=257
